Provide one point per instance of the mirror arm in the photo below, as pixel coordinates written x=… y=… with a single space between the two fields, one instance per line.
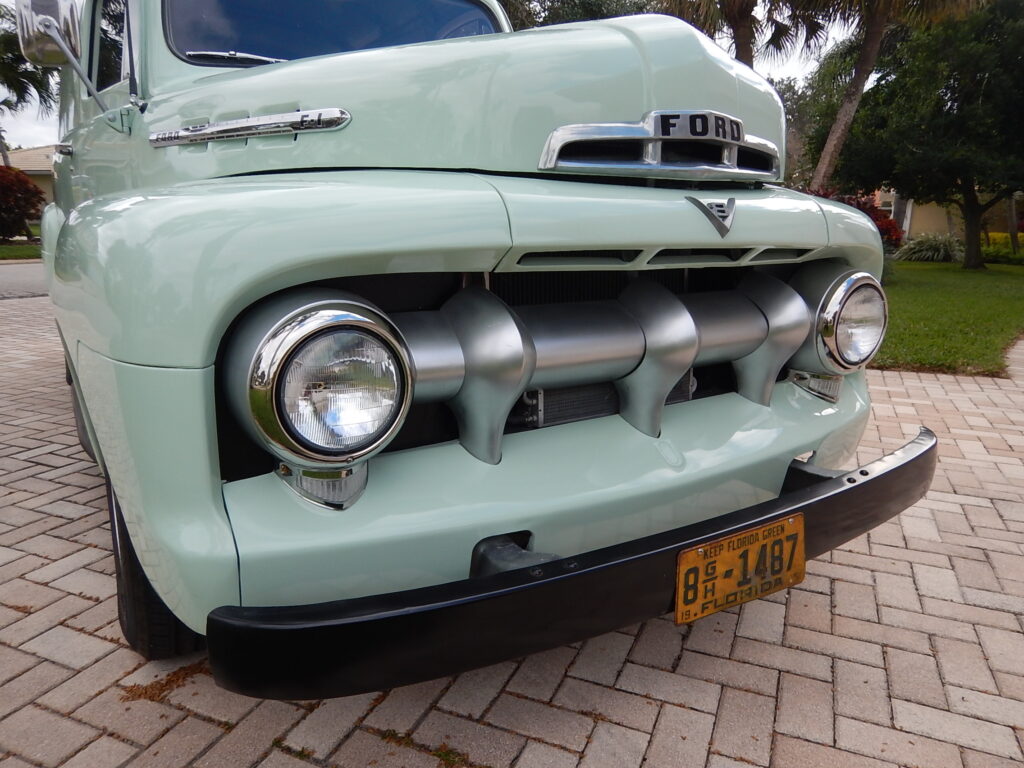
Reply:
x=133 y=80
x=49 y=27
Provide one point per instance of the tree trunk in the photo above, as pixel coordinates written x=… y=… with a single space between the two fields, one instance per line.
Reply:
x=972 y=211
x=743 y=38
x=874 y=28
x=1011 y=223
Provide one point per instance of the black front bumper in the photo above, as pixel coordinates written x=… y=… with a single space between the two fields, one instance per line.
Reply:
x=372 y=643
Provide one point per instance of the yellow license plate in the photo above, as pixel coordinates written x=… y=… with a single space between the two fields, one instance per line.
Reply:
x=740 y=567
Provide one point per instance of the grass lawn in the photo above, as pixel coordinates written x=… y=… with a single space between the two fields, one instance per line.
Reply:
x=947 y=320
x=19 y=252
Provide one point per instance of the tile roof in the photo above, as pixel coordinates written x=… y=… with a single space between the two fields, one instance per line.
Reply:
x=33 y=160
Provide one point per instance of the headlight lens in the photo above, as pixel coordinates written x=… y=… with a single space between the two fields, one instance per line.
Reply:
x=860 y=325
x=341 y=390
x=851 y=322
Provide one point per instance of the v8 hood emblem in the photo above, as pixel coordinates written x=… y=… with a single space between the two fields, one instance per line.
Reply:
x=718 y=213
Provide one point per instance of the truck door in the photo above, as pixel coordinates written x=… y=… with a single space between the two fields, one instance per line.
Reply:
x=98 y=139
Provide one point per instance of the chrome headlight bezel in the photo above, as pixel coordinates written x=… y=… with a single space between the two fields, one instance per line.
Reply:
x=277 y=349
x=829 y=352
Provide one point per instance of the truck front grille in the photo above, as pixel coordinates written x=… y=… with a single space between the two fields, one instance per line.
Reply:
x=515 y=351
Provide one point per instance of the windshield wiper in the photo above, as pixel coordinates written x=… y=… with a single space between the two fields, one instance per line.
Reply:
x=250 y=58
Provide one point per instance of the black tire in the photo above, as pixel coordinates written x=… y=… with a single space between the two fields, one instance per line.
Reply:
x=80 y=430
x=76 y=409
x=146 y=622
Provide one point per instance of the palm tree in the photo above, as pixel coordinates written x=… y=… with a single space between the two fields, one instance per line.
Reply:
x=783 y=24
x=872 y=18
x=21 y=81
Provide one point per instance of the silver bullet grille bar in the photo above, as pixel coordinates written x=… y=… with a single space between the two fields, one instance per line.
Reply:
x=479 y=355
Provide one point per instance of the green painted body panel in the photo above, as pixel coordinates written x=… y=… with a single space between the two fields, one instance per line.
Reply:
x=576 y=487
x=157 y=430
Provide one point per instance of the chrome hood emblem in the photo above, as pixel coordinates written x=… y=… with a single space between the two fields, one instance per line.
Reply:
x=718 y=213
x=681 y=144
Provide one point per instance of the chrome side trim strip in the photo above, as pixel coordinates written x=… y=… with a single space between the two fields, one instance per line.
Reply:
x=286 y=123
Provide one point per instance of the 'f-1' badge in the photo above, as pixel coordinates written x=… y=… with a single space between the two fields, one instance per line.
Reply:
x=719 y=214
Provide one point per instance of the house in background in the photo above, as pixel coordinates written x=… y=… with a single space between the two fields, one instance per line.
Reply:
x=37 y=163
x=931 y=218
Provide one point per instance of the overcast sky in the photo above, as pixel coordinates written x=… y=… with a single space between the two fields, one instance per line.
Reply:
x=29 y=129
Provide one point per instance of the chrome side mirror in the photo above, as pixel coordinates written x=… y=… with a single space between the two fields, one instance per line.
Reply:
x=48 y=31
x=49 y=37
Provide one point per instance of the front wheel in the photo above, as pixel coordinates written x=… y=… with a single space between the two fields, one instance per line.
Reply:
x=146 y=622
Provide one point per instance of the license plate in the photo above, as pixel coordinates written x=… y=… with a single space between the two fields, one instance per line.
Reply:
x=739 y=567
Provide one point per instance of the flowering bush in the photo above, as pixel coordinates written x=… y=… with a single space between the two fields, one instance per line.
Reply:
x=19 y=201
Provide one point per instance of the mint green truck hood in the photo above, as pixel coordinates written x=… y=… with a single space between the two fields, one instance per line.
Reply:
x=485 y=103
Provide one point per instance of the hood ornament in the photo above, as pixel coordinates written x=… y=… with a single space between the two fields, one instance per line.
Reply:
x=718 y=213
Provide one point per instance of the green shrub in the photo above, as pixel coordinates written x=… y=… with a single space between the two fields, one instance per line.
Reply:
x=1001 y=254
x=932 y=247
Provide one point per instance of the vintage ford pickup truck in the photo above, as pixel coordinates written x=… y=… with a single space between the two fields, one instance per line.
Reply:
x=408 y=343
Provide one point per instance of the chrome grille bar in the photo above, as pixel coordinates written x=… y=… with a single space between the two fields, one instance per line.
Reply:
x=479 y=355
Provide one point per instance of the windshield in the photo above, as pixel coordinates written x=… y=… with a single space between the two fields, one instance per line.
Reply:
x=250 y=32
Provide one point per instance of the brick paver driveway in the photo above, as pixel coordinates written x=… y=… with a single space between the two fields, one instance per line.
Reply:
x=905 y=648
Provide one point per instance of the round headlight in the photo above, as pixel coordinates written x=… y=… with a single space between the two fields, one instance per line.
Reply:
x=860 y=325
x=319 y=380
x=853 y=322
x=340 y=391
